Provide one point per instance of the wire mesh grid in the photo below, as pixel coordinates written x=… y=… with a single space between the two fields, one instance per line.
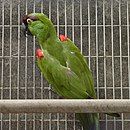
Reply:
x=100 y=28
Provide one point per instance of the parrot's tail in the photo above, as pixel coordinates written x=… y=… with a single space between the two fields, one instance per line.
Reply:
x=90 y=121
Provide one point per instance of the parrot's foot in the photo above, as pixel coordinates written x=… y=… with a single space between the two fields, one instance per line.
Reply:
x=114 y=114
x=60 y=97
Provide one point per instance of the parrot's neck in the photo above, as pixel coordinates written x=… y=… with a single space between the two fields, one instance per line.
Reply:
x=48 y=39
x=50 y=42
x=52 y=32
x=45 y=36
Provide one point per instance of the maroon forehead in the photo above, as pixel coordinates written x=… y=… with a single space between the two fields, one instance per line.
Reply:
x=25 y=17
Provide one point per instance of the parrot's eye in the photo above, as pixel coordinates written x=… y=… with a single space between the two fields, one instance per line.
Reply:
x=29 y=20
x=32 y=18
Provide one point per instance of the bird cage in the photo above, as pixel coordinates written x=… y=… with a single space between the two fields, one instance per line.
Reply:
x=100 y=28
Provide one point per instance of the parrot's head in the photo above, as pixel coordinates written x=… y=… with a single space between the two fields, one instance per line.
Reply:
x=38 y=25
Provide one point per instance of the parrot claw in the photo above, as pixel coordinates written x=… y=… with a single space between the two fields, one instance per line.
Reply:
x=60 y=97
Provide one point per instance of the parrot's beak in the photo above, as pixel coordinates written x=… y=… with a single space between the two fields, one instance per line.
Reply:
x=26 y=30
x=25 y=26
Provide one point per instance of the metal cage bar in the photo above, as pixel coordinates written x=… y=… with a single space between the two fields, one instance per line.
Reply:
x=65 y=106
x=2 y=66
x=97 y=20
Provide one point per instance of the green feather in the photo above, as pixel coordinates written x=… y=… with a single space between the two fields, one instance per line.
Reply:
x=64 y=80
x=78 y=64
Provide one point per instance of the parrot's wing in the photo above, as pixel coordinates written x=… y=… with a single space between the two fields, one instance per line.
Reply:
x=68 y=82
x=86 y=75
x=48 y=75
x=71 y=46
x=77 y=63
x=64 y=80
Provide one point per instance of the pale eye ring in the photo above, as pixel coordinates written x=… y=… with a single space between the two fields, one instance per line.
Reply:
x=29 y=20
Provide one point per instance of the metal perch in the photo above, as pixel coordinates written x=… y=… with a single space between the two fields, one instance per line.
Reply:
x=65 y=106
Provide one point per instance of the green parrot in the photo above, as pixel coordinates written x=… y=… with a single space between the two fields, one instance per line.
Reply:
x=64 y=53
x=62 y=49
x=67 y=84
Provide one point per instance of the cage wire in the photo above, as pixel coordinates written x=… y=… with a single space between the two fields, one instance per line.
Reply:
x=100 y=28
